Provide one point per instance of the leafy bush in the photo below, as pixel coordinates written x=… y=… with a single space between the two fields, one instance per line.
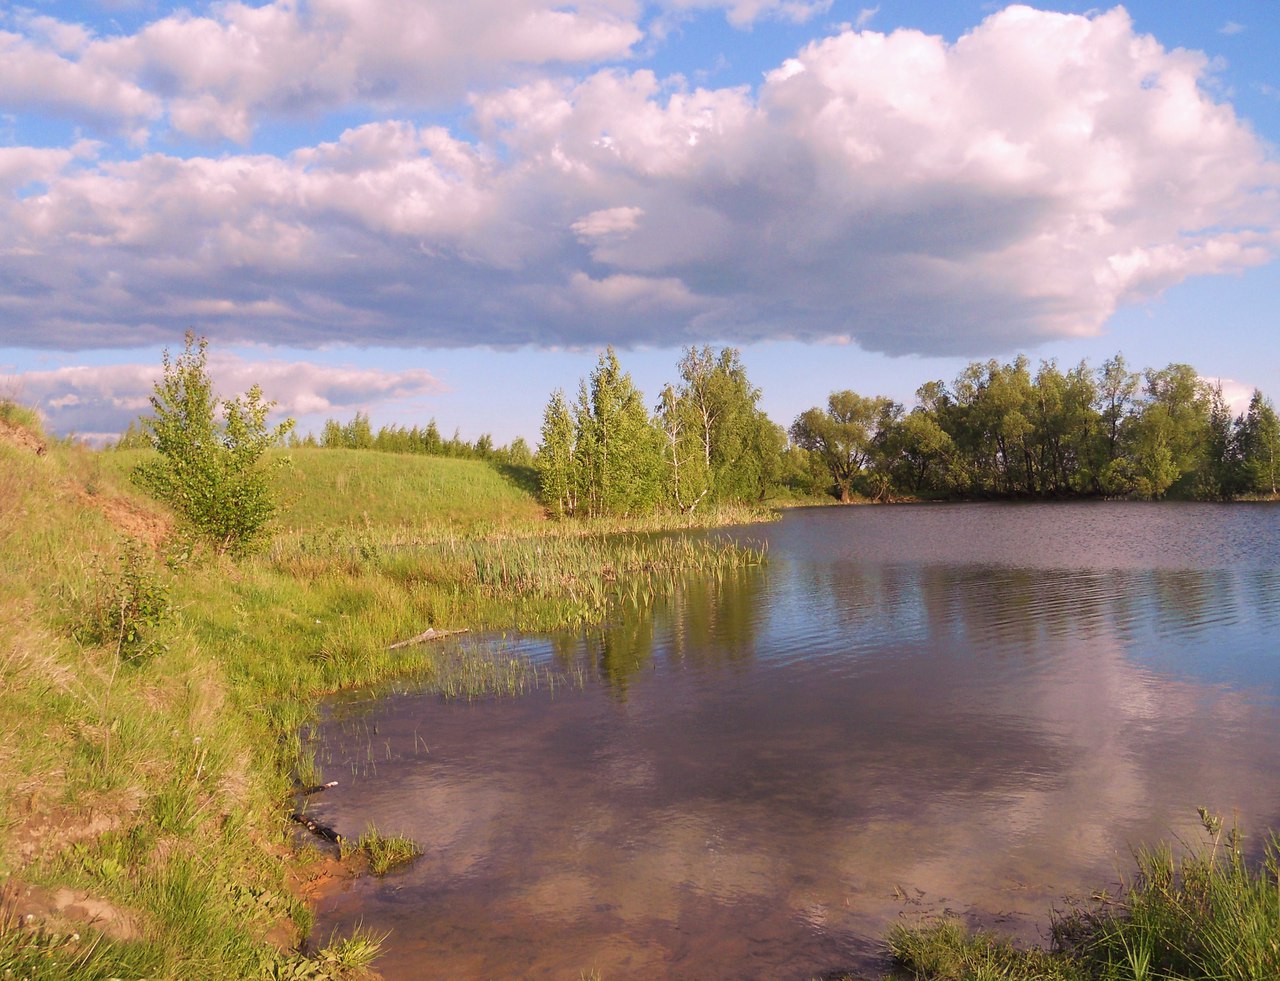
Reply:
x=126 y=605
x=210 y=469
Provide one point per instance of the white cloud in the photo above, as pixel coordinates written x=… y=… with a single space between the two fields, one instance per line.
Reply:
x=1231 y=27
x=1235 y=394
x=39 y=78
x=218 y=74
x=607 y=222
x=94 y=400
x=745 y=13
x=912 y=195
x=865 y=16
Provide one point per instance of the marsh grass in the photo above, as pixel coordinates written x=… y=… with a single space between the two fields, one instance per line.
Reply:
x=1204 y=913
x=156 y=694
x=384 y=852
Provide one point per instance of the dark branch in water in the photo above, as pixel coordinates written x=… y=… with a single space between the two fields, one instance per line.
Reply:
x=316 y=828
x=318 y=788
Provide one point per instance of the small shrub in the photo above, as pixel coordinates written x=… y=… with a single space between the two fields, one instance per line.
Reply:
x=125 y=605
x=210 y=469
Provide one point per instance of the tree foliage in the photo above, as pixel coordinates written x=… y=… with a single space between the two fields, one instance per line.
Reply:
x=845 y=437
x=707 y=442
x=210 y=467
x=1002 y=430
x=999 y=430
x=602 y=456
x=717 y=444
x=1258 y=441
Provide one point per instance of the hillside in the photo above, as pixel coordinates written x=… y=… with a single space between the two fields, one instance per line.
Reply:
x=156 y=693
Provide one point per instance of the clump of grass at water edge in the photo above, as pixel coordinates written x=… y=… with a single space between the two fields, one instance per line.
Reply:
x=1205 y=914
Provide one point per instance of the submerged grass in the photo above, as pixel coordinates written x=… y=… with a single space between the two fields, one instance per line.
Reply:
x=155 y=695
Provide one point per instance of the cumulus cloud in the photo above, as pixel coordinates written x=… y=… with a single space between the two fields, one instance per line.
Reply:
x=101 y=401
x=48 y=78
x=216 y=75
x=895 y=190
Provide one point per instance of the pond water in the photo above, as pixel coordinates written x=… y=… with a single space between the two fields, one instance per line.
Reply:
x=977 y=709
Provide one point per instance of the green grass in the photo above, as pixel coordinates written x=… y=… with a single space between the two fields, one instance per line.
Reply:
x=16 y=414
x=413 y=495
x=386 y=852
x=1207 y=913
x=156 y=695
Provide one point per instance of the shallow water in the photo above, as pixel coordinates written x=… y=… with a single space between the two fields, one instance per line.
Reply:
x=908 y=710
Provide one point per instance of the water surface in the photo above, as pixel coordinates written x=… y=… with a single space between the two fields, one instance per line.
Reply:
x=908 y=710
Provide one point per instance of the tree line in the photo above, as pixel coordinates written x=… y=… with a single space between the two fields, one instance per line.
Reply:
x=997 y=431
x=358 y=434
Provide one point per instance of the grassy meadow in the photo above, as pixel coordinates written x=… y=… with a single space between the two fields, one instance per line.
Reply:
x=155 y=693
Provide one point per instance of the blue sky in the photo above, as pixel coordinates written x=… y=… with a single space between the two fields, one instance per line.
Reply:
x=433 y=210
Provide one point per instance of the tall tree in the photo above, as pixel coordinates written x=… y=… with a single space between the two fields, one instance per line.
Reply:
x=1170 y=432
x=555 y=458
x=919 y=453
x=717 y=441
x=613 y=462
x=687 y=469
x=1258 y=438
x=1219 y=476
x=1118 y=387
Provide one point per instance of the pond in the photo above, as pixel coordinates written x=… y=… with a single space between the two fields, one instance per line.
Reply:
x=976 y=709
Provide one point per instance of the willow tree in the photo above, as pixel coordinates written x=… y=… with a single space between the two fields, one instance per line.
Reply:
x=845 y=437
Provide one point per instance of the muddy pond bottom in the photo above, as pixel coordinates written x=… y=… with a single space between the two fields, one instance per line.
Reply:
x=907 y=712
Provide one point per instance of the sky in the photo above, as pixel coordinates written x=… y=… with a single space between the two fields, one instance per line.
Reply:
x=425 y=209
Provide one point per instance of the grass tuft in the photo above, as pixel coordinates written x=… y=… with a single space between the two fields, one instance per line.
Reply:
x=1206 y=914
x=386 y=852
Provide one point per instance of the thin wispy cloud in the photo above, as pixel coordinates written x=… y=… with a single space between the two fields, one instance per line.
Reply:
x=104 y=399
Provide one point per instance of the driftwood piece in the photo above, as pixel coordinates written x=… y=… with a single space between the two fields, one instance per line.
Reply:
x=316 y=828
x=431 y=633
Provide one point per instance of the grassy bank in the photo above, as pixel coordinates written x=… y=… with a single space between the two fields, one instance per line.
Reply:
x=1204 y=914
x=154 y=693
